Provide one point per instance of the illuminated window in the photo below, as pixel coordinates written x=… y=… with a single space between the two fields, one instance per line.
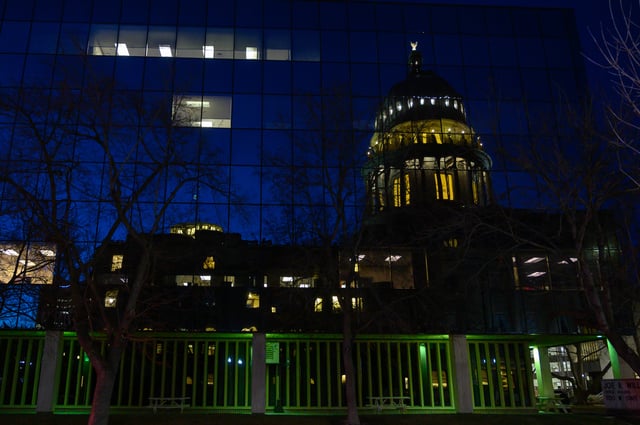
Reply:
x=208 y=52
x=111 y=298
x=335 y=303
x=474 y=191
x=397 y=192
x=444 y=186
x=407 y=190
x=229 y=280
x=209 y=263
x=253 y=300
x=116 y=262
x=451 y=243
x=356 y=303
x=206 y=111
x=317 y=305
x=252 y=52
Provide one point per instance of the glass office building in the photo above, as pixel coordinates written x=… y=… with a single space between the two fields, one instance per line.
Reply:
x=238 y=77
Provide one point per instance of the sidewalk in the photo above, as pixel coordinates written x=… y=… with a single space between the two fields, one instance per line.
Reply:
x=148 y=418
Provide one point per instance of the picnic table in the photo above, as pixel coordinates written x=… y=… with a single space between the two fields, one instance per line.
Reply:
x=168 y=403
x=394 y=402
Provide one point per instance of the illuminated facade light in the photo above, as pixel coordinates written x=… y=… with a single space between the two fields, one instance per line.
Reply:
x=121 y=49
x=165 y=51
x=208 y=51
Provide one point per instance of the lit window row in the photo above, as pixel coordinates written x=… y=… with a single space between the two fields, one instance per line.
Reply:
x=203 y=43
x=396 y=106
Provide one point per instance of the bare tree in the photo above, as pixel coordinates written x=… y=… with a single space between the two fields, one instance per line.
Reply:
x=578 y=179
x=318 y=182
x=86 y=167
x=619 y=55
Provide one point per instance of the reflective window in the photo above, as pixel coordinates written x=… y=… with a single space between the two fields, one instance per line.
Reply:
x=503 y=51
x=161 y=42
x=447 y=50
x=247 y=77
x=245 y=150
x=336 y=75
x=333 y=15
x=218 y=76
x=277 y=14
x=531 y=52
x=507 y=83
x=444 y=19
x=558 y=52
x=499 y=21
x=188 y=75
x=363 y=47
x=526 y=21
x=472 y=21
x=48 y=10
x=164 y=12
x=38 y=70
x=206 y=111
x=277 y=45
x=248 y=13
x=389 y=17
x=277 y=112
x=134 y=12
x=305 y=15
x=247 y=111
x=191 y=12
x=248 y=44
x=361 y=16
x=44 y=37
x=132 y=41
x=190 y=43
x=158 y=74
x=21 y=10
x=219 y=43
x=535 y=83
x=106 y=12
x=103 y=39
x=475 y=50
x=306 y=46
x=220 y=13
x=513 y=118
x=480 y=84
x=392 y=48
x=556 y=23
x=129 y=73
x=14 y=36
x=334 y=46
x=11 y=71
x=73 y=39
x=277 y=77
x=417 y=19
x=306 y=77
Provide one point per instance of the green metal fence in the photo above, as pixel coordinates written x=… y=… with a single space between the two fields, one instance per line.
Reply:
x=303 y=371
x=308 y=371
x=20 y=357
x=501 y=374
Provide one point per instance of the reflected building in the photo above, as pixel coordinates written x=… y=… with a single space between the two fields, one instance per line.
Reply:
x=432 y=281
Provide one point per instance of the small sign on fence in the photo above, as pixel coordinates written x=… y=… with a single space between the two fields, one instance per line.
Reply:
x=272 y=353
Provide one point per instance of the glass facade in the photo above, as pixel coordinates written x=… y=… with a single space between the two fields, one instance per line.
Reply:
x=240 y=81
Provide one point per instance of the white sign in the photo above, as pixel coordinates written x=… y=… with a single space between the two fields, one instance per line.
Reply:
x=621 y=393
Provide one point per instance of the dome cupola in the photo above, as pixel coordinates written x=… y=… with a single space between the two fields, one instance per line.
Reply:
x=423 y=150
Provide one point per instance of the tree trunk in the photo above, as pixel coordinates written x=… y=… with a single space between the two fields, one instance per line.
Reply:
x=349 y=369
x=105 y=380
